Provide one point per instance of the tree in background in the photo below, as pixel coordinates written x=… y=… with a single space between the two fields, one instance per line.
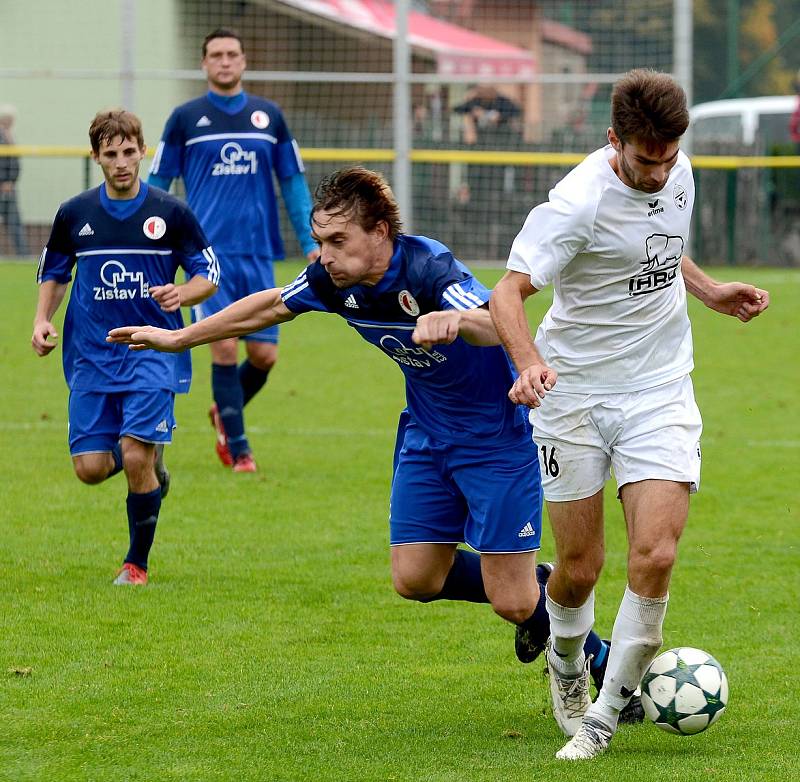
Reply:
x=761 y=24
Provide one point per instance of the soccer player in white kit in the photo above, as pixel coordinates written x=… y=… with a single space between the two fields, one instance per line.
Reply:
x=617 y=339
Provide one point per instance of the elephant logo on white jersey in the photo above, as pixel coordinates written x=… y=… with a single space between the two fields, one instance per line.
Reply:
x=662 y=250
x=659 y=270
x=120 y=283
x=234 y=161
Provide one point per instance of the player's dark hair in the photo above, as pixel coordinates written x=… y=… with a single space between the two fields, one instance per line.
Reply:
x=650 y=107
x=107 y=125
x=221 y=32
x=362 y=195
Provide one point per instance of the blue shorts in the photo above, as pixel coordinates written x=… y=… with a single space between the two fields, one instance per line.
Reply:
x=98 y=419
x=487 y=497
x=240 y=275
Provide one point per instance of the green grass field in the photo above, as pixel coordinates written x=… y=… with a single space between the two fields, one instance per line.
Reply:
x=270 y=645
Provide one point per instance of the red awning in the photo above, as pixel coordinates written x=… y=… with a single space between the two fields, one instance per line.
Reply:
x=457 y=51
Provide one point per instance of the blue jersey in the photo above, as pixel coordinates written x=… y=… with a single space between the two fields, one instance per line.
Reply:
x=456 y=393
x=227 y=161
x=119 y=249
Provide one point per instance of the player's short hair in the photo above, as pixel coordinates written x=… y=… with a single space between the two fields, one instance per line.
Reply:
x=221 y=32
x=648 y=106
x=107 y=125
x=362 y=195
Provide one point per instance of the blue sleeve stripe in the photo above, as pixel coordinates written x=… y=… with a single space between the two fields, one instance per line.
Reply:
x=286 y=294
x=212 y=268
x=219 y=136
x=300 y=284
x=461 y=299
x=453 y=302
x=300 y=165
x=469 y=295
x=157 y=158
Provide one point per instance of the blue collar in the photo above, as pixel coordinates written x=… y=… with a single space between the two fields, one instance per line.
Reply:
x=122 y=209
x=230 y=104
x=388 y=280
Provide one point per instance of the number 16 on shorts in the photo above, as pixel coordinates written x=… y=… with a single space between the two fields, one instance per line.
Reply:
x=548 y=461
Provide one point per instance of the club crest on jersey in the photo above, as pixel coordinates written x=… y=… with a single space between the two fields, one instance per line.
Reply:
x=235 y=160
x=119 y=283
x=154 y=227
x=260 y=119
x=680 y=197
x=408 y=303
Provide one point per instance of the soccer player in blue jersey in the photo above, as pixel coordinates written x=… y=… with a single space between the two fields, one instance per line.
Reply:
x=226 y=146
x=125 y=242
x=465 y=467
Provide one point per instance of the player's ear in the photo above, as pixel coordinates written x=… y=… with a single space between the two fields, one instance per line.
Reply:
x=381 y=231
x=613 y=139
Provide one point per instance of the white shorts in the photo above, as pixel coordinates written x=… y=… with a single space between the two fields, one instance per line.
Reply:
x=649 y=434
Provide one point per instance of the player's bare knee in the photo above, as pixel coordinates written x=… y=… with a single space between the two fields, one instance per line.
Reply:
x=421 y=589
x=90 y=473
x=656 y=561
x=514 y=611
x=264 y=358
x=581 y=573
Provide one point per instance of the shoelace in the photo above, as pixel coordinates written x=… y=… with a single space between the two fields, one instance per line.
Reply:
x=574 y=693
x=591 y=736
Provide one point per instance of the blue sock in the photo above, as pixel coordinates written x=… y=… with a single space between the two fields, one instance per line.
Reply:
x=598 y=648
x=538 y=623
x=142 y=519
x=464 y=581
x=251 y=379
x=228 y=396
x=116 y=454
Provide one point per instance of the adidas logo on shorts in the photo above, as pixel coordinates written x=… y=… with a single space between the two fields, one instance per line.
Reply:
x=162 y=426
x=527 y=531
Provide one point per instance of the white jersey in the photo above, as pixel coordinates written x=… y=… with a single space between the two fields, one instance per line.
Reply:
x=618 y=320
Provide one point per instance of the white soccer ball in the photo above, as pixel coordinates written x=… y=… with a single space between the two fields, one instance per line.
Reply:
x=684 y=691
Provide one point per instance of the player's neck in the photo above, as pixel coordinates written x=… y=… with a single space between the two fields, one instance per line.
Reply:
x=124 y=195
x=381 y=265
x=226 y=92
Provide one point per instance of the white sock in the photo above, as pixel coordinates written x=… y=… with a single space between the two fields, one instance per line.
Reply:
x=635 y=642
x=569 y=628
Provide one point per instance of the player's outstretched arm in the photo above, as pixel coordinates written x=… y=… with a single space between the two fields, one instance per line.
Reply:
x=252 y=313
x=737 y=299
x=51 y=294
x=507 y=306
x=442 y=327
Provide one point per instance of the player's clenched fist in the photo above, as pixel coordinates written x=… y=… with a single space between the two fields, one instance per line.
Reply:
x=42 y=334
x=437 y=328
x=168 y=297
x=532 y=385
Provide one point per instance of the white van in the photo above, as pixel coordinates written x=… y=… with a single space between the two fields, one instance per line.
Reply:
x=747 y=121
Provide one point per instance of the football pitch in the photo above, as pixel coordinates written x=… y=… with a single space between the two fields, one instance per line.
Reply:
x=270 y=644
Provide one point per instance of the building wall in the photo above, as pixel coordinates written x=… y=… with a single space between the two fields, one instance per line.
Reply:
x=57 y=36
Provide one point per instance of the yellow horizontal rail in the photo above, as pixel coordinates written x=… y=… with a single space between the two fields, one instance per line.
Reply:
x=443 y=156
